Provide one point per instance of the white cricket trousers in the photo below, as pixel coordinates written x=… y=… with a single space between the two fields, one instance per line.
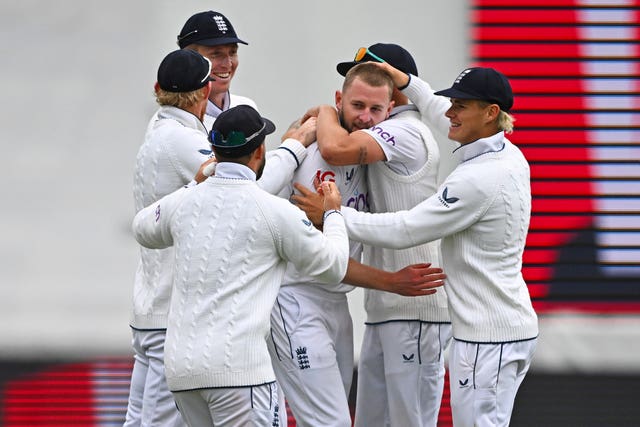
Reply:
x=311 y=350
x=401 y=374
x=250 y=406
x=484 y=380
x=151 y=404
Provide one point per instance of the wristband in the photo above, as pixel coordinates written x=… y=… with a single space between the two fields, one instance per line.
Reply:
x=327 y=213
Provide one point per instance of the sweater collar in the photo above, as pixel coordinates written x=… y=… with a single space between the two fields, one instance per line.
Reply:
x=490 y=144
x=183 y=117
x=231 y=170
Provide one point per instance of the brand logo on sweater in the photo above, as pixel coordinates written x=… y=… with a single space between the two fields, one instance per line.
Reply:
x=408 y=359
x=306 y=222
x=464 y=384
x=303 y=358
x=445 y=199
x=158 y=213
x=205 y=152
x=390 y=139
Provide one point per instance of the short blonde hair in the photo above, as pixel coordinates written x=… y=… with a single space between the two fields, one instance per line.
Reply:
x=370 y=74
x=181 y=100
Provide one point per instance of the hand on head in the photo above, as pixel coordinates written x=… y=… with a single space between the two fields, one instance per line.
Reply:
x=303 y=131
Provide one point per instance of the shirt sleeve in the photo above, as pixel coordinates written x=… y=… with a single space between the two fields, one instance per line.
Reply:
x=152 y=225
x=457 y=205
x=280 y=166
x=398 y=139
x=322 y=255
x=432 y=107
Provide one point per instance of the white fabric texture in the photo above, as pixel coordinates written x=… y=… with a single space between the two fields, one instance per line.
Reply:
x=232 y=242
x=481 y=213
x=399 y=188
x=150 y=401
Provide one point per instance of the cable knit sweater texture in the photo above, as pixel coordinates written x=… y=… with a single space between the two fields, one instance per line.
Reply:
x=174 y=148
x=232 y=243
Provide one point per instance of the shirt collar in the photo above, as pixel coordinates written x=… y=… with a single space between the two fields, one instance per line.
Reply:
x=214 y=111
x=400 y=108
x=181 y=116
x=490 y=144
x=230 y=170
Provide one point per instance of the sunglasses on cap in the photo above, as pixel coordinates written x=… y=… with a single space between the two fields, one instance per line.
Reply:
x=363 y=51
x=234 y=138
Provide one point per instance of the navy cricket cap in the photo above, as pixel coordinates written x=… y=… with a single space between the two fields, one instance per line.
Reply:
x=238 y=131
x=395 y=55
x=208 y=29
x=184 y=71
x=485 y=84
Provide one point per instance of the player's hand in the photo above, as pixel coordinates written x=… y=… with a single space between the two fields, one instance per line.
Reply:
x=303 y=131
x=416 y=280
x=332 y=197
x=311 y=112
x=400 y=78
x=310 y=202
x=206 y=170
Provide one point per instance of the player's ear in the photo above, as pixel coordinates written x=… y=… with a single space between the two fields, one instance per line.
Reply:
x=338 y=97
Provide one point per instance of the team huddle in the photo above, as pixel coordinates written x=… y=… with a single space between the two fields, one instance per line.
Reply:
x=247 y=254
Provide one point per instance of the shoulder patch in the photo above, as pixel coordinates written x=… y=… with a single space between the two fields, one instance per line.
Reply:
x=445 y=199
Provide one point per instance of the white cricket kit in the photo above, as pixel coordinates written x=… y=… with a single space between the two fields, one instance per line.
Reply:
x=174 y=147
x=230 y=101
x=481 y=212
x=232 y=244
x=311 y=342
x=401 y=368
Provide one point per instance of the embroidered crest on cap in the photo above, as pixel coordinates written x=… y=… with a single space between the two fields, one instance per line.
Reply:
x=462 y=74
x=221 y=23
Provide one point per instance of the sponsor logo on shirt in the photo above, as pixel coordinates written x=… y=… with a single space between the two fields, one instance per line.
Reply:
x=386 y=136
x=445 y=199
x=326 y=175
x=359 y=201
x=464 y=383
x=205 y=152
x=158 y=213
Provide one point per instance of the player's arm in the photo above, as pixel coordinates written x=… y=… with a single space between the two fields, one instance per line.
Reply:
x=413 y=280
x=151 y=225
x=282 y=162
x=338 y=147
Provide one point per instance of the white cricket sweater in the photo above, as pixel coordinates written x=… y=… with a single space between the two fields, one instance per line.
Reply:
x=174 y=148
x=481 y=212
x=391 y=191
x=232 y=243
x=175 y=145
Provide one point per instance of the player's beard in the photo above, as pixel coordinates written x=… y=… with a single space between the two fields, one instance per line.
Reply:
x=261 y=167
x=343 y=123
